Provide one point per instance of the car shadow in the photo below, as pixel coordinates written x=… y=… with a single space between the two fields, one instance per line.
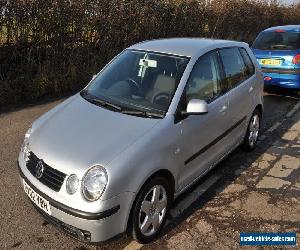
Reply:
x=227 y=171
x=279 y=91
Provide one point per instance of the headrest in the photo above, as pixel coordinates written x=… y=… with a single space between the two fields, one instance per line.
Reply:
x=165 y=83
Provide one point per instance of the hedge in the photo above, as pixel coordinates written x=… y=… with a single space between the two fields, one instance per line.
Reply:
x=53 y=47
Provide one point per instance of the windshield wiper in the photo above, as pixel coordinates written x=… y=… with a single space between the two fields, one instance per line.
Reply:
x=100 y=102
x=143 y=113
x=106 y=104
x=120 y=109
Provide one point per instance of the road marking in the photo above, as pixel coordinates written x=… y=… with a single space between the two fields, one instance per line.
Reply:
x=289 y=114
x=294 y=109
x=275 y=126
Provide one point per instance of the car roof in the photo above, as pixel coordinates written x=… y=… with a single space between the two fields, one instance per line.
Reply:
x=183 y=46
x=286 y=28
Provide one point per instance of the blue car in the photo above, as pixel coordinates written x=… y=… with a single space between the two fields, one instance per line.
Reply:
x=277 y=50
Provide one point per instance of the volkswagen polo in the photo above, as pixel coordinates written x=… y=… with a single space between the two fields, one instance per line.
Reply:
x=160 y=115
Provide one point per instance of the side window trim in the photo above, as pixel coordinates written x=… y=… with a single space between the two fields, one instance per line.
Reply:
x=224 y=88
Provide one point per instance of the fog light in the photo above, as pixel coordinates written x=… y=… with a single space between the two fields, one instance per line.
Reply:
x=72 y=184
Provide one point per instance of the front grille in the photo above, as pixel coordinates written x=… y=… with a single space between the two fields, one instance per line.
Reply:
x=51 y=177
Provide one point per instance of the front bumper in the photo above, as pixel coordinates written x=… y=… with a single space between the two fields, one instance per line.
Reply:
x=282 y=78
x=86 y=226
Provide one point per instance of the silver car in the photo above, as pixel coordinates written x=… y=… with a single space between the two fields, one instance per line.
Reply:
x=159 y=116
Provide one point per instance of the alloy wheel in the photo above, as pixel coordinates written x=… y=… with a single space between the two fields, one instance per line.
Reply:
x=254 y=129
x=153 y=210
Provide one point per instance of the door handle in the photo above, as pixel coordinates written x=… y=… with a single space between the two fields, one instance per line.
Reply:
x=223 y=109
x=251 y=89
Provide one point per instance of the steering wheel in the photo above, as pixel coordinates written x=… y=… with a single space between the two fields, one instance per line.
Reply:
x=135 y=84
x=162 y=95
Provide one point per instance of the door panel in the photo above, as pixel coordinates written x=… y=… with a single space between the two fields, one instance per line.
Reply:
x=240 y=90
x=202 y=142
x=239 y=109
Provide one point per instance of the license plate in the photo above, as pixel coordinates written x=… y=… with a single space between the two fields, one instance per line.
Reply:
x=36 y=198
x=272 y=62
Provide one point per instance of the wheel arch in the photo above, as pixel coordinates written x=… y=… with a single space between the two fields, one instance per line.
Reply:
x=165 y=173
x=259 y=107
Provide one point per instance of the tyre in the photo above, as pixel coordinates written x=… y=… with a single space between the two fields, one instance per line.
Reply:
x=253 y=131
x=150 y=210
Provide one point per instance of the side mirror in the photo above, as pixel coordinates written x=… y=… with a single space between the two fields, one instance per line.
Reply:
x=196 y=107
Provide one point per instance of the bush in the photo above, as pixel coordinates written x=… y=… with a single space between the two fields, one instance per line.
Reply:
x=53 y=47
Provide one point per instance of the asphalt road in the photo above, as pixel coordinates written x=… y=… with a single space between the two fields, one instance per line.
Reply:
x=204 y=206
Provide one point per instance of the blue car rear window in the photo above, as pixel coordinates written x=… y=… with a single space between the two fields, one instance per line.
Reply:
x=273 y=40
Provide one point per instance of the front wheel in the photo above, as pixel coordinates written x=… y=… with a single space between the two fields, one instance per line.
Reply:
x=253 y=131
x=150 y=210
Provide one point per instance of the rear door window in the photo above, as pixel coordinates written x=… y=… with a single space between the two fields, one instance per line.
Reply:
x=234 y=67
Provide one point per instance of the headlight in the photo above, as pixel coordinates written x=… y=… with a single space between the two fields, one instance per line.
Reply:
x=72 y=184
x=94 y=183
x=25 y=146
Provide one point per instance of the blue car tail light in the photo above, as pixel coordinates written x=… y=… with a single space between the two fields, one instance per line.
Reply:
x=296 y=59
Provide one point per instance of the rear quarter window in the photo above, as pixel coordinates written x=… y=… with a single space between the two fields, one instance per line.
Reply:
x=248 y=62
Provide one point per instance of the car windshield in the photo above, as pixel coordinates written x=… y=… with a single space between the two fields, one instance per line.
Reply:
x=137 y=81
x=276 y=40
